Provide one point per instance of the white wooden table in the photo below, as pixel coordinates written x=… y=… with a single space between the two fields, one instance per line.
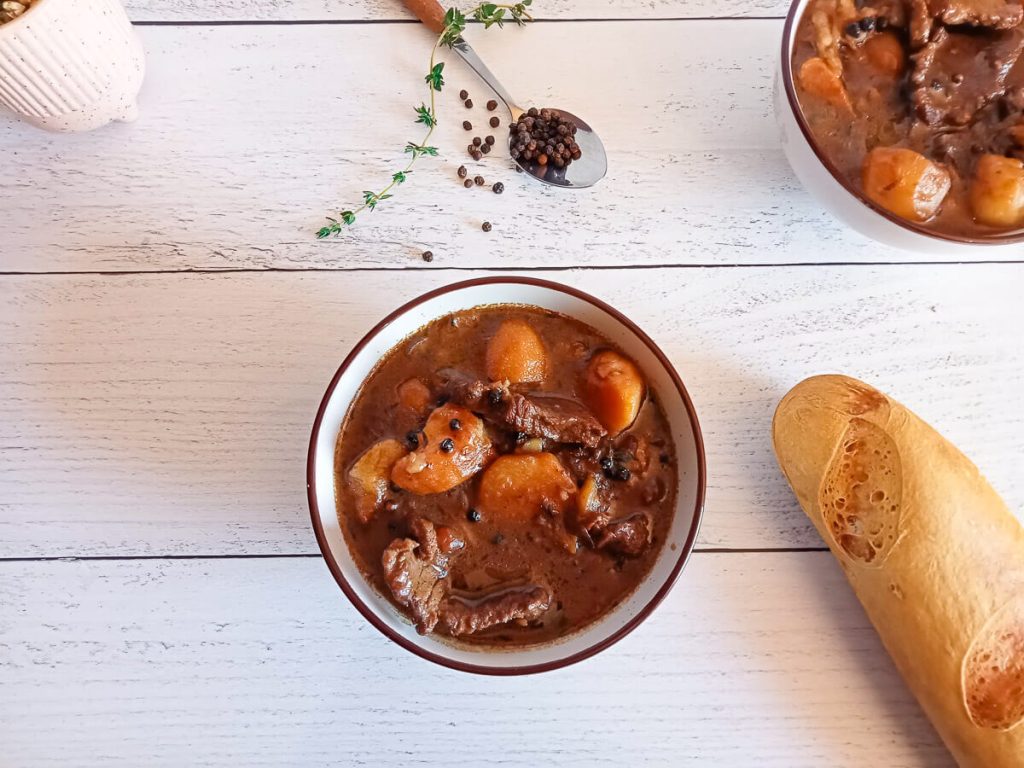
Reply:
x=168 y=325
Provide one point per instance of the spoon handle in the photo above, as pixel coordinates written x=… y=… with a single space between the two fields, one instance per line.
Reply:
x=429 y=12
x=477 y=65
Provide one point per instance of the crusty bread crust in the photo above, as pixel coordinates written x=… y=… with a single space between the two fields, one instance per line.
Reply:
x=931 y=550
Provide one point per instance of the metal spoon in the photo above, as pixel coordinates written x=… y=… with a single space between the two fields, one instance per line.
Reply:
x=593 y=162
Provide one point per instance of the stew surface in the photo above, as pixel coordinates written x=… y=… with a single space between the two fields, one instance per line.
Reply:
x=920 y=105
x=505 y=476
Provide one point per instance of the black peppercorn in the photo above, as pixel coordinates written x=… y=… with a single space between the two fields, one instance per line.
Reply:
x=477 y=141
x=469 y=103
x=867 y=24
x=621 y=473
x=520 y=437
x=853 y=30
x=492 y=105
x=494 y=396
x=488 y=139
x=486 y=149
x=463 y=94
x=498 y=187
x=473 y=515
x=467 y=125
x=462 y=172
x=413 y=439
x=447 y=445
x=455 y=425
x=478 y=180
x=486 y=226
x=428 y=256
x=476 y=154
x=606 y=462
x=494 y=121
x=467 y=183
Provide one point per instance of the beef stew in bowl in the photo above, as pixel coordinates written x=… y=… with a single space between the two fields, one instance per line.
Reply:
x=665 y=557
x=917 y=106
x=504 y=476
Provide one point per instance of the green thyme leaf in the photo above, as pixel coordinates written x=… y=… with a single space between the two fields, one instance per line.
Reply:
x=399 y=177
x=434 y=79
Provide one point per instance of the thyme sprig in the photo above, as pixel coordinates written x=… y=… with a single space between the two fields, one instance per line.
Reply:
x=488 y=14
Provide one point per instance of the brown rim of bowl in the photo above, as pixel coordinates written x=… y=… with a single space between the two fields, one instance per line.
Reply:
x=794 y=105
x=586 y=653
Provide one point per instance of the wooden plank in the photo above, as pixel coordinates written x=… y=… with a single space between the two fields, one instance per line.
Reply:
x=391 y=10
x=753 y=659
x=170 y=414
x=250 y=135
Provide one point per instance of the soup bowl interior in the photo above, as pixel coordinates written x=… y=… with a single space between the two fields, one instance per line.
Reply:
x=841 y=196
x=663 y=382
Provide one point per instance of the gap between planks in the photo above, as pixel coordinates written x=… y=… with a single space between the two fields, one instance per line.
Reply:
x=508 y=270
x=297 y=555
x=365 y=22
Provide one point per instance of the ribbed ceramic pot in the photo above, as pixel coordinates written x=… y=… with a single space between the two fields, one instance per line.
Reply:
x=71 y=65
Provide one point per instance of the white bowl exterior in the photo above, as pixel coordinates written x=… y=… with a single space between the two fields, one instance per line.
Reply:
x=838 y=200
x=71 y=65
x=660 y=383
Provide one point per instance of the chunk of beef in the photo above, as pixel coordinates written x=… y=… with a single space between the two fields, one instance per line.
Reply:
x=957 y=74
x=466 y=616
x=416 y=571
x=921 y=23
x=993 y=14
x=628 y=536
x=556 y=418
x=459 y=387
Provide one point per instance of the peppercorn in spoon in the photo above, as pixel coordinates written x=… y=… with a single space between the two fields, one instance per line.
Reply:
x=552 y=145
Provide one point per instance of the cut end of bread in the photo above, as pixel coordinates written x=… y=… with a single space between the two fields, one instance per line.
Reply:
x=993 y=671
x=860 y=498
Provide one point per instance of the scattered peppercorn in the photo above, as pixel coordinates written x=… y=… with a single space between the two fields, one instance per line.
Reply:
x=478 y=180
x=544 y=137
x=477 y=141
x=462 y=171
x=486 y=226
x=455 y=425
x=494 y=396
x=520 y=437
x=473 y=515
x=469 y=103
x=867 y=24
x=498 y=188
x=447 y=445
x=489 y=140
x=853 y=30
x=494 y=122
x=606 y=462
x=413 y=439
x=492 y=105
x=428 y=256
x=467 y=183
x=486 y=149
x=467 y=125
x=463 y=94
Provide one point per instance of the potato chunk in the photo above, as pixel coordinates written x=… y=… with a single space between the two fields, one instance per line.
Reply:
x=904 y=182
x=448 y=456
x=997 y=192
x=613 y=389
x=368 y=477
x=885 y=53
x=516 y=354
x=414 y=395
x=517 y=487
x=819 y=80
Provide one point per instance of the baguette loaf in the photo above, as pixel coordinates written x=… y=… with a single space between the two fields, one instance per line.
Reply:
x=932 y=552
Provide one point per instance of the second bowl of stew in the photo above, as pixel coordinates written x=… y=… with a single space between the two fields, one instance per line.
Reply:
x=906 y=117
x=506 y=476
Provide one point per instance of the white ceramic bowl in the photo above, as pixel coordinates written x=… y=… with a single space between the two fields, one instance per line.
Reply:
x=825 y=182
x=662 y=379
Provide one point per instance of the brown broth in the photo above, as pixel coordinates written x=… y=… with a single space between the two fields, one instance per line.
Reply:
x=585 y=585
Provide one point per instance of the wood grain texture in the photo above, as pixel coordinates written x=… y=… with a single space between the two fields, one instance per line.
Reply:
x=752 y=660
x=393 y=10
x=170 y=414
x=250 y=135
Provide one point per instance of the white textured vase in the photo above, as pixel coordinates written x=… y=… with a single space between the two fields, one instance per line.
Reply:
x=71 y=65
